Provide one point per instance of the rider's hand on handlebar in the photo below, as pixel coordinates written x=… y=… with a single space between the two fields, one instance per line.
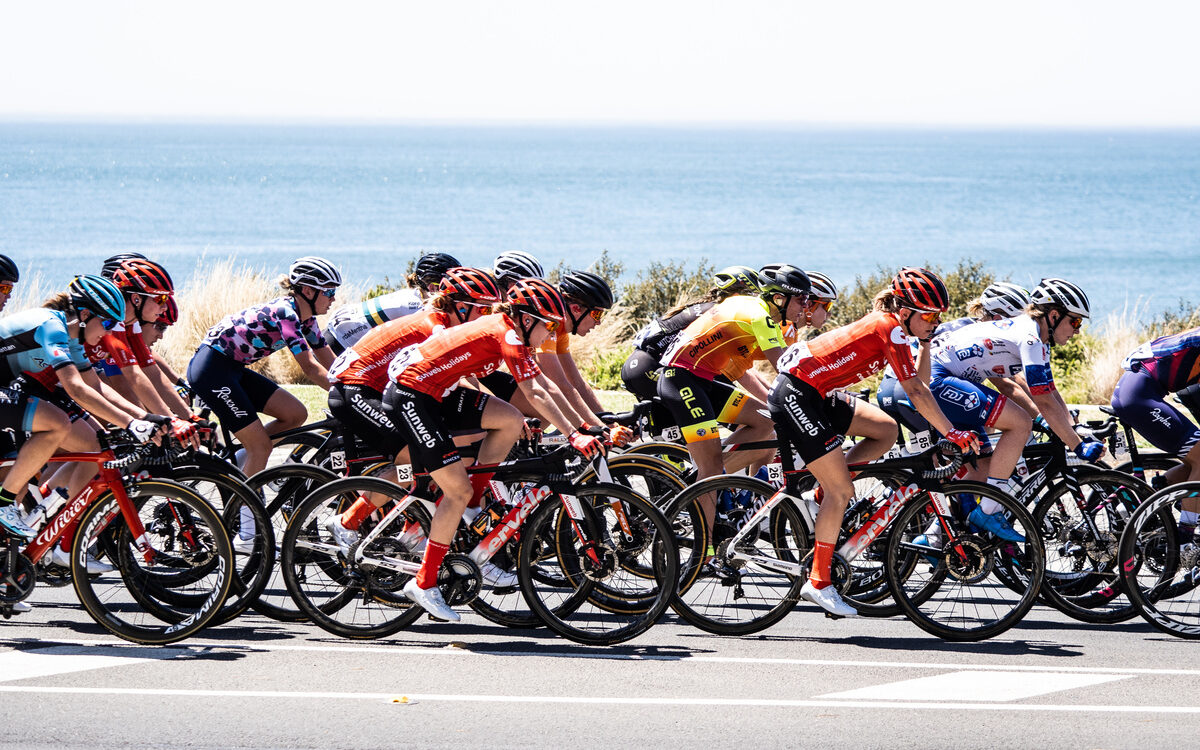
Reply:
x=620 y=436
x=1090 y=450
x=145 y=430
x=185 y=432
x=966 y=440
x=589 y=445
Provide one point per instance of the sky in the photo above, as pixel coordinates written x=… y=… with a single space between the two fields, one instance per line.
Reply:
x=963 y=63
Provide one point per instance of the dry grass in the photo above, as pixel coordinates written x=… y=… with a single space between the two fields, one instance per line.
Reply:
x=1122 y=334
x=612 y=334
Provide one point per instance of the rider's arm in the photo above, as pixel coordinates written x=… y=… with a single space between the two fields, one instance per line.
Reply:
x=926 y=405
x=1054 y=411
x=582 y=387
x=549 y=401
x=119 y=383
x=924 y=362
x=97 y=383
x=325 y=356
x=1016 y=393
x=170 y=397
x=99 y=404
x=312 y=369
x=751 y=383
x=144 y=390
x=551 y=365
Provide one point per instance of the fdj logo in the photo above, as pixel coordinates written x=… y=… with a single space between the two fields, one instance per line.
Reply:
x=975 y=350
x=966 y=399
x=689 y=400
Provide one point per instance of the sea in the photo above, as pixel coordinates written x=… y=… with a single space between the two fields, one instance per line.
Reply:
x=1116 y=212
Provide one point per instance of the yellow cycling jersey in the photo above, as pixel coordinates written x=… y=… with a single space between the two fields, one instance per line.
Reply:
x=726 y=339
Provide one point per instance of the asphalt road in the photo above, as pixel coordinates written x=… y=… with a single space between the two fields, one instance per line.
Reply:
x=808 y=681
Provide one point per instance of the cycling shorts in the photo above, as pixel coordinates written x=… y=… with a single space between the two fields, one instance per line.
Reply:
x=967 y=405
x=893 y=400
x=1140 y=401
x=234 y=393
x=640 y=374
x=426 y=423
x=814 y=424
x=16 y=412
x=361 y=410
x=699 y=405
x=501 y=384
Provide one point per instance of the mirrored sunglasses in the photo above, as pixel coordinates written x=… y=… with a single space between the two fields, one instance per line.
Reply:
x=597 y=313
x=330 y=293
x=159 y=298
x=1076 y=323
x=6 y=287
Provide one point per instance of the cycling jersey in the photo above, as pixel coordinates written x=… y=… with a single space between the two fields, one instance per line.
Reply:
x=259 y=331
x=726 y=339
x=120 y=348
x=559 y=343
x=476 y=348
x=36 y=342
x=661 y=333
x=366 y=363
x=846 y=355
x=1173 y=361
x=995 y=349
x=349 y=323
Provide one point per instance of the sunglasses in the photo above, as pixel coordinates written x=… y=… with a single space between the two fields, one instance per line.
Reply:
x=161 y=327
x=551 y=325
x=483 y=309
x=6 y=287
x=825 y=303
x=330 y=293
x=159 y=298
x=597 y=313
x=928 y=317
x=1076 y=323
x=107 y=324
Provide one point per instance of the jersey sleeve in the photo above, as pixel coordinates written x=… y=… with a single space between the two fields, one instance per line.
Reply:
x=312 y=334
x=898 y=351
x=1035 y=359
x=56 y=344
x=141 y=352
x=520 y=361
x=292 y=332
x=559 y=344
x=120 y=354
x=767 y=334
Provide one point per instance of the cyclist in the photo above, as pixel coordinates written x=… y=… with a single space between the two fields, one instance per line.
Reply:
x=43 y=348
x=813 y=415
x=826 y=293
x=1168 y=364
x=8 y=278
x=219 y=371
x=350 y=323
x=726 y=340
x=512 y=265
x=425 y=402
x=999 y=301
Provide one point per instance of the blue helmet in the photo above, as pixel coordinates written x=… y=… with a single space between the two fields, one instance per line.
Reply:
x=98 y=295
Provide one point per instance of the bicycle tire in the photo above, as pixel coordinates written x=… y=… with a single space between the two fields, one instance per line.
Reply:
x=1161 y=577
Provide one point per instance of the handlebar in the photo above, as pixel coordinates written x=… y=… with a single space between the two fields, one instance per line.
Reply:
x=949 y=450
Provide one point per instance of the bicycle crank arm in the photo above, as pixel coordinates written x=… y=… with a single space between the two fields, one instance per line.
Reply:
x=779 y=566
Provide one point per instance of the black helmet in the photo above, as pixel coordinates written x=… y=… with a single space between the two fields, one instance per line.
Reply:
x=113 y=262
x=586 y=288
x=738 y=280
x=786 y=279
x=431 y=267
x=8 y=269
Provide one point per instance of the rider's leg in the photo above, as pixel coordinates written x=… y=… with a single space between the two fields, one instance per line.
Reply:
x=50 y=426
x=877 y=430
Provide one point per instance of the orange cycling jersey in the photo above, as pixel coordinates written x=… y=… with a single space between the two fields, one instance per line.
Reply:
x=726 y=339
x=477 y=348
x=366 y=363
x=559 y=343
x=846 y=355
x=122 y=347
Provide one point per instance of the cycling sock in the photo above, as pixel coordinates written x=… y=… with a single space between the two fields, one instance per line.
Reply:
x=357 y=513
x=822 y=562
x=1189 y=518
x=435 y=552
x=7 y=498
x=479 y=483
x=988 y=505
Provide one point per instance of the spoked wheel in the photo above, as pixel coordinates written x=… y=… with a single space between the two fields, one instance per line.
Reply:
x=180 y=590
x=565 y=560
x=282 y=489
x=355 y=593
x=1081 y=531
x=968 y=584
x=1160 y=570
x=736 y=597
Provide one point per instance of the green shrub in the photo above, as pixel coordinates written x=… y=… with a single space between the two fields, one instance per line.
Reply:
x=603 y=371
x=661 y=286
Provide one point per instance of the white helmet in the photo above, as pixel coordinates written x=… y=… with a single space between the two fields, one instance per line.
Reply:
x=314 y=271
x=823 y=286
x=516 y=264
x=1062 y=293
x=1003 y=298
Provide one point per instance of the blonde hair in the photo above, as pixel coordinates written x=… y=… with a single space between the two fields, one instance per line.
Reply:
x=887 y=301
x=60 y=302
x=975 y=309
x=286 y=284
x=1037 y=312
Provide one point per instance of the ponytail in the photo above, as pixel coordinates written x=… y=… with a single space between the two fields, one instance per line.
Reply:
x=887 y=301
x=60 y=302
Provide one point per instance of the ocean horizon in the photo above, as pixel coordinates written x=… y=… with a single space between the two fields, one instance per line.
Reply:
x=1118 y=212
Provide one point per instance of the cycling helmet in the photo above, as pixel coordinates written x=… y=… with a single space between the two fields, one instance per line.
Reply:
x=1003 y=298
x=737 y=280
x=783 y=278
x=1064 y=294
x=314 y=271
x=113 y=262
x=98 y=295
x=8 y=269
x=823 y=287
x=470 y=284
x=515 y=264
x=921 y=289
x=140 y=276
x=170 y=313
x=586 y=288
x=432 y=266
x=537 y=297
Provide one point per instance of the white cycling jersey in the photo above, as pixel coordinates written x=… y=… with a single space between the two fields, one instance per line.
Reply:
x=995 y=349
x=349 y=323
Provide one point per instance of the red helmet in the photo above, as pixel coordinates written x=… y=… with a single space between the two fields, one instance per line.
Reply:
x=143 y=277
x=537 y=297
x=921 y=289
x=470 y=284
x=170 y=312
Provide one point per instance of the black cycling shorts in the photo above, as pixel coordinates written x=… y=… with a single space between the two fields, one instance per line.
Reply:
x=501 y=384
x=16 y=416
x=361 y=410
x=640 y=374
x=813 y=424
x=699 y=405
x=426 y=423
x=234 y=393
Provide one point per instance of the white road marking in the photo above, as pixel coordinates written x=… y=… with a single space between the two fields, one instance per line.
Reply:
x=383 y=650
x=602 y=700
x=44 y=662
x=975 y=685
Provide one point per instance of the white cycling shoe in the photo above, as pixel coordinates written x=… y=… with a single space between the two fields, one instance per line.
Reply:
x=20 y=608
x=62 y=558
x=431 y=601
x=242 y=546
x=498 y=577
x=827 y=599
x=343 y=537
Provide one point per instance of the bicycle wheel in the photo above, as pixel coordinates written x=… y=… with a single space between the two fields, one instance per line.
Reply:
x=1160 y=576
x=282 y=489
x=674 y=454
x=353 y=600
x=652 y=477
x=577 y=555
x=192 y=560
x=967 y=592
x=1081 y=532
x=753 y=595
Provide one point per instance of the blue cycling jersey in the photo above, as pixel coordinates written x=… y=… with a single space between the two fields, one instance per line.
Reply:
x=35 y=342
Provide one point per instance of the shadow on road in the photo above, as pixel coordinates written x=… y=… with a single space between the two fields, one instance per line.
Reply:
x=929 y=645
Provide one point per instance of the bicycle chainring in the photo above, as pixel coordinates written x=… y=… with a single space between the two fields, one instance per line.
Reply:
x=459 y=579
x=16 y=585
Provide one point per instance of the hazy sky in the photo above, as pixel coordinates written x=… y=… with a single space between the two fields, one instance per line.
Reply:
x=1095 y=63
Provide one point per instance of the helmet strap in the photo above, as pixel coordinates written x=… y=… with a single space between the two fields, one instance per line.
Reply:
x=574 y=320
x=137 y=302
x=526 y=329
x=312 y=301
x=461 y=311
x=782 y=309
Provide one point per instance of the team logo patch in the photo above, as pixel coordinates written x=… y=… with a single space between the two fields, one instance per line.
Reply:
x=975 y=350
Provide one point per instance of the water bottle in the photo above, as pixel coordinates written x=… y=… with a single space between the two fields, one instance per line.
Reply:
x=490 y=516
x=47 y=507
